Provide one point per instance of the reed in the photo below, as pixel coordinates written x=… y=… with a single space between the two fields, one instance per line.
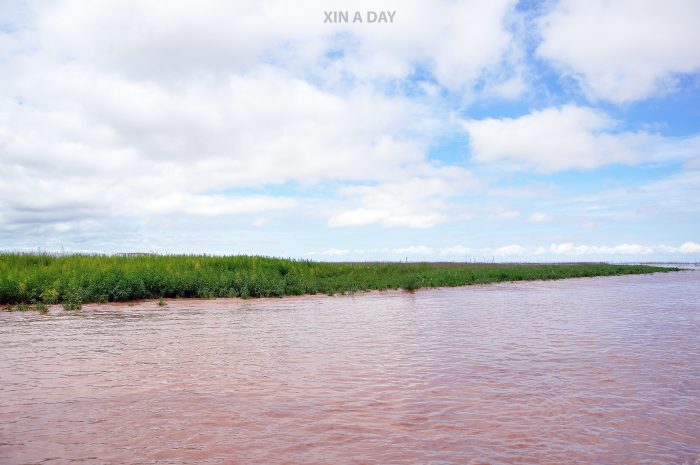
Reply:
x=72 y=280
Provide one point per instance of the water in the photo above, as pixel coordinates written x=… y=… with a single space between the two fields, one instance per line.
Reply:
x=600 y=370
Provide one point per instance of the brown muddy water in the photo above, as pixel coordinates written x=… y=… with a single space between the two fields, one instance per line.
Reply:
x=585 y=371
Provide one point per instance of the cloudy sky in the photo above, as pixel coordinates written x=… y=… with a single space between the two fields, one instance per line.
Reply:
x=532 y=130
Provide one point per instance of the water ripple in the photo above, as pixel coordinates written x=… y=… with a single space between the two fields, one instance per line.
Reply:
x=601 y=370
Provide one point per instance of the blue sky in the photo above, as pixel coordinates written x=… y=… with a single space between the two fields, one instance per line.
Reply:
x=463 y=130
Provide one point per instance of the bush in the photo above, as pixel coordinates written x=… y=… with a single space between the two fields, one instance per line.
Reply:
x=75 y=279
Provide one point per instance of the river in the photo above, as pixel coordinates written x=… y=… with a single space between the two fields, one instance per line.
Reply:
x=581 y=371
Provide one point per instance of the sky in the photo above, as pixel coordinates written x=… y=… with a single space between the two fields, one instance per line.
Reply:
x=459 y=130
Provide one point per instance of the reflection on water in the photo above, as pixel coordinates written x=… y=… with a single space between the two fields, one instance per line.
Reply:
x=601 y=370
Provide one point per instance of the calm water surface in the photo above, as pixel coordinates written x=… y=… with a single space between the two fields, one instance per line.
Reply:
x=586 y=371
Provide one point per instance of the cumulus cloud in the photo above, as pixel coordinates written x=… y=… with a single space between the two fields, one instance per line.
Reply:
x=569 y=137
x=131 y=108
x=157 y=40
x=104 y=144
x=624 y=50
x=420 y=200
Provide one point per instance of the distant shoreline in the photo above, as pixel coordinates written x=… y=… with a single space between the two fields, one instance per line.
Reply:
x=37 y=281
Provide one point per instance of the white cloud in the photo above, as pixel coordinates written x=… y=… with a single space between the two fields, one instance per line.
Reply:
x=456 y=41
x=414 y=250
x=91 y=142
x=134 y=121
x=215 y=204
x=131 y=108
x=388 y=218
x=689 y=247
x=363 y=217
x=623 y=50
x=510 y=89
x=624 y=249
x=512 y=249
x=569 y=137
x=420 y=200
x=504 y=215
x=496 y=211
x=261 y=128
x=674 y=195
x=550 y=140
x=523 y=192
x=456 y=250
x=580 y=252
x=540 y=217
x=331 y=252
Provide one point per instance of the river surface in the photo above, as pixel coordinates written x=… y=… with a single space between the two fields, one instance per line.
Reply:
x=582 y=371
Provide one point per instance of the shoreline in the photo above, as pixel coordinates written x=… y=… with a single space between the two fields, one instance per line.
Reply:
x=182 y=302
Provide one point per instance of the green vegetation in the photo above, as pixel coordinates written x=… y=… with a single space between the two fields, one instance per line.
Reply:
x=41 y=307
x=76 y=279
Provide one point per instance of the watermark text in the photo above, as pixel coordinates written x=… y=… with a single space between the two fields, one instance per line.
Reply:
x=370 y=17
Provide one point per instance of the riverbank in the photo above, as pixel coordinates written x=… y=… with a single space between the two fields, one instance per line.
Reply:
x=39 y=280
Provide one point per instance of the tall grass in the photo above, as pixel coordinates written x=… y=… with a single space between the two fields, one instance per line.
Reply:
x=76 y=279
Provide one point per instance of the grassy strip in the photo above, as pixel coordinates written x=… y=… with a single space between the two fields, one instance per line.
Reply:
x=76 y=279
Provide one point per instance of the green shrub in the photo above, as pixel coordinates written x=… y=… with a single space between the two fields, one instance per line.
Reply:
x=41 y=307
x=75 y=279
x=50 y=296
